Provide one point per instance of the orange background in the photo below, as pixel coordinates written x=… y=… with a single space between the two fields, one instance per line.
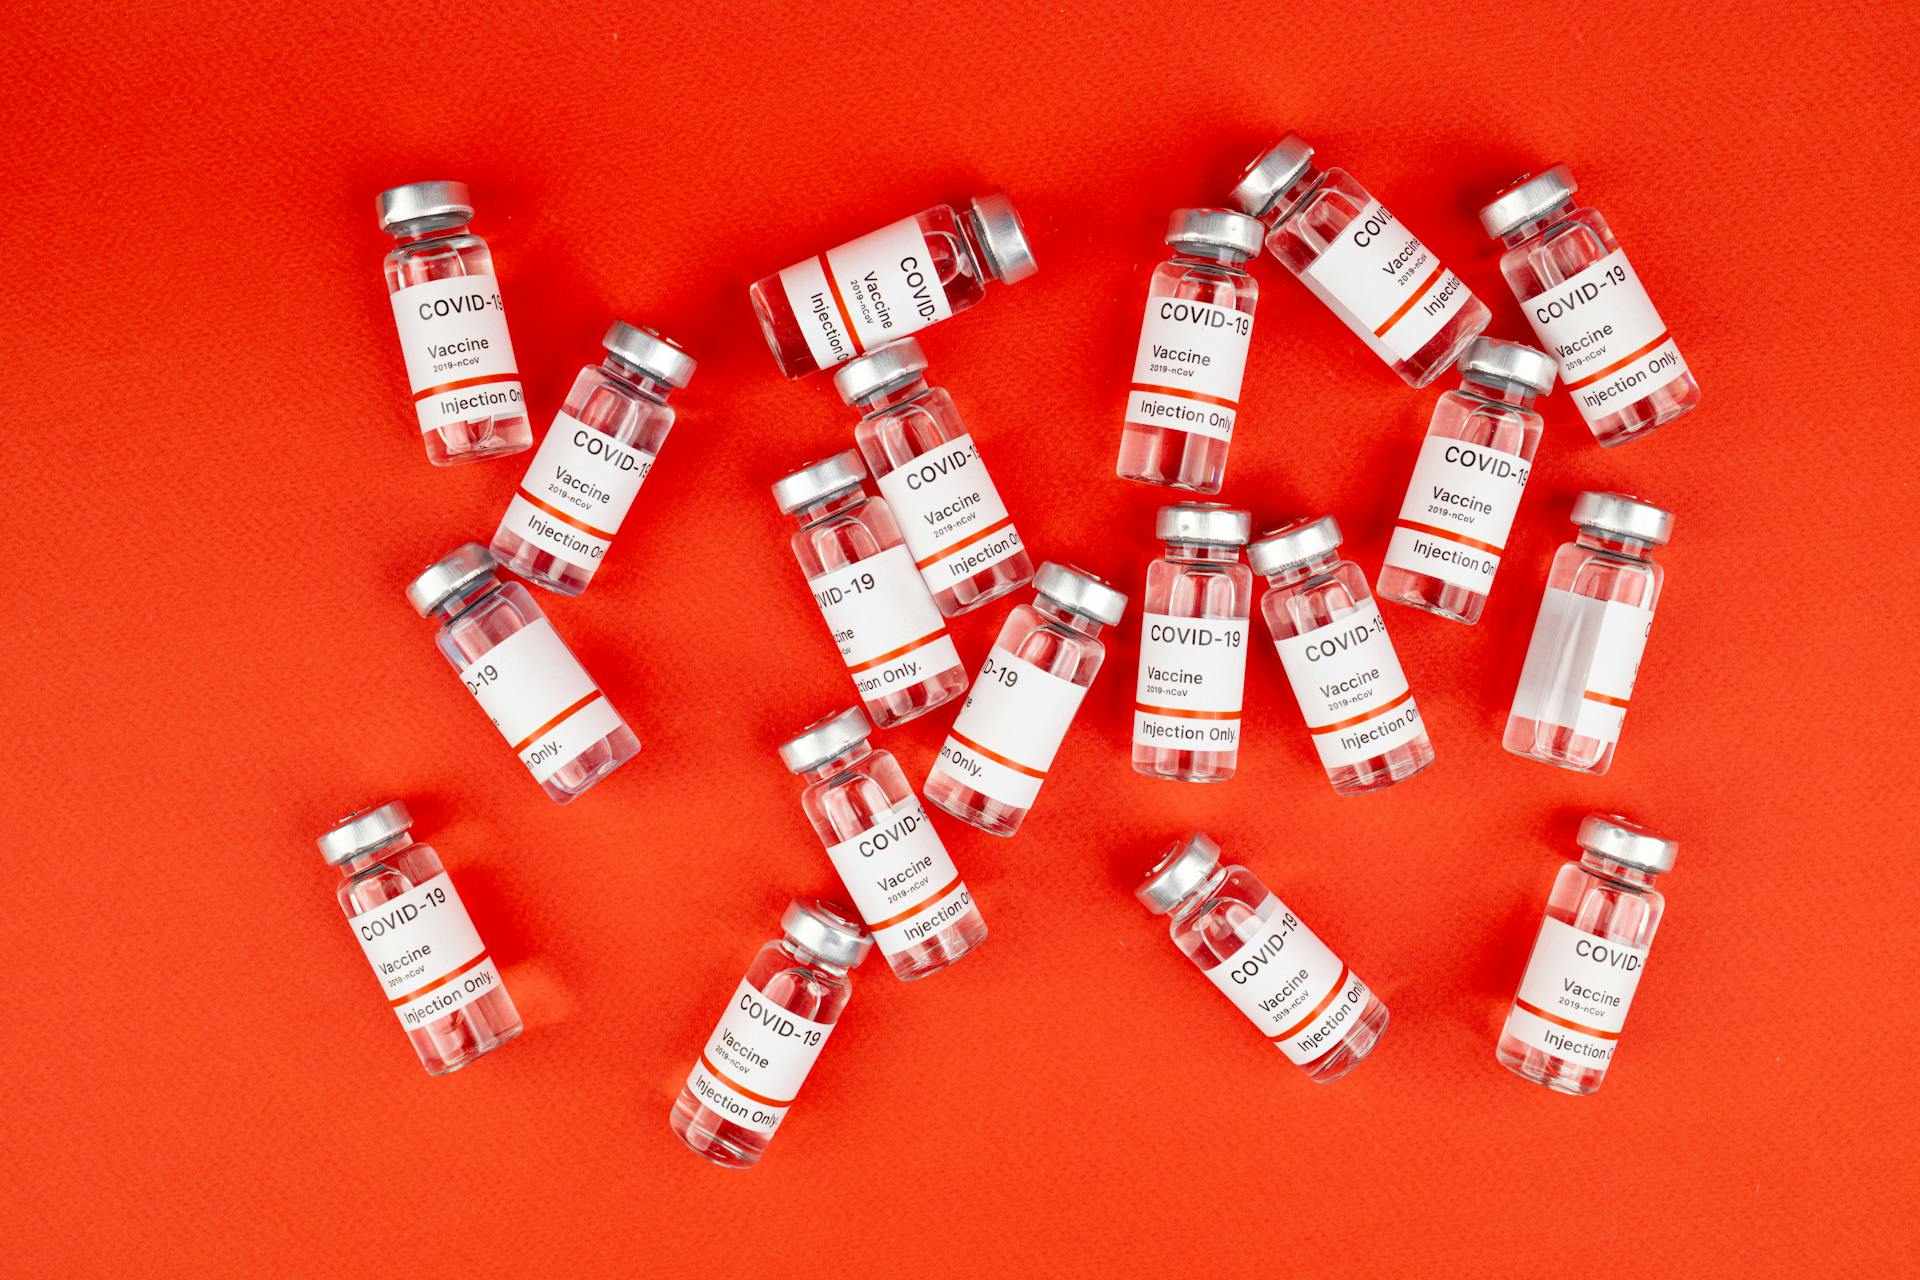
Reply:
x=218 y=495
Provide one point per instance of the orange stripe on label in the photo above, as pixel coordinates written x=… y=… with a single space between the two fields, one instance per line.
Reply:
x=1182 y=394
x=1463 y=540
x=1617 y=365
x=938 y=556
x=1607 y=698
x=995 y=756
x=903 y=650
x=1570 y=1025
x=874 y=926
x=1318 y=1009
x=737 y=1087
x=437 y=983
x=533 y=737
x=846 y=316
x=464 y=383
x=558 y=514
x=1364 y=716
x=1184 y=714
x=1412 y=298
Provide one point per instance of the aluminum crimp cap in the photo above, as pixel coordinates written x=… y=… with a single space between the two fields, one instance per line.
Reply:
x=398 y=205
x=824 y=739
x=864 y=377
x=1212 y=524
x=1293 y=543
x=1526 y=198
x=1268 y=177
x=1080 y=591
x=449 y=576
x=1622 y=840
x=826 y=930
x=818 y=480
x=368 y=829
x=1219 y=229
x=1624 y=514
x=659 y=358
x=1183 y=868
x=1002 y=238
x=1515 y=363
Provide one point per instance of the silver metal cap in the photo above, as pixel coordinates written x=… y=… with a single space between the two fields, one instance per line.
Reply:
x=1184 y=867
x=1526 y=198
x=396 y=205
x=1270 y=175
x=449 y=576
x=1618 y=838
x=368 y=829
x=817 y=480
x=1212 y=523
x=1293 y=543
x=1219 y=229
x=1624 y=514
x=1080 y=591
x=824 y=739
x=827 y=930
x=864 y=377
x=659 y=358
x=1002 y=239
x=1514 y=363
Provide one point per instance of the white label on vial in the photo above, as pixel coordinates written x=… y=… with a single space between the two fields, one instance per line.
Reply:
x=578 y=489
x=1573 y=1000
x=1581 y=664
x=1015 y=718
x=1187 y=372
x=756 y=1060
x=1193 y=673
x=540 y=698
x=900 y=878
x=425 y=951
x=949 y=512
x=1290 y=984
x=453 y=334
x=890 y=635
x=1386 y=285
x=1612 y=345
x=1350 y=687
x=1458 y=512
x=867 y=292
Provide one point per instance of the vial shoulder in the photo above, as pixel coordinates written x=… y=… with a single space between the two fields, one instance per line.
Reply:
x=1184 y=279
x=1199 y=589
x=437 y=258
x=396 y=873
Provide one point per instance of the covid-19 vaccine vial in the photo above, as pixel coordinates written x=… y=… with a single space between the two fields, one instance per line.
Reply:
x=1016 y=716
x=1591 y=632
x=1185 y=394
x=882 y=843
x=929 y=470
x=773 y=1029
x=1334 y=647
x=1193 y=646
x=453 y=329
x=522 y=674
x=433 y=968
x=890 y=283
x=587 y=472
x=1467 y=482
x=1586 y=303
x=1275 y=970
x=875 y=603
x=1587 y=961
x=1361 y=261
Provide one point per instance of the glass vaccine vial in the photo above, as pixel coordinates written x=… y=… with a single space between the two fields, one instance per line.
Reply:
x=1185 y=393
x=522 y=674
x=1361 y=261
x=930 y=472
x=1333 y=645
x=889 y=283
x=1193 y=646
x=1587 y=961
x=882 y=843
x=874 y=601
x=1588 y=308
x=1004 y=740
x=770 y=1035
x=1590 y=635
x=453 y=329
x=1467 y=483
x=432 y=966
x=1276 y=971
x=589 y=469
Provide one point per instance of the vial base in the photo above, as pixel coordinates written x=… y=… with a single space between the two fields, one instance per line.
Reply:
x=538 y=565
x=975 y=808
x=709 y=1134
x=989 y=584
x=1423 y=591
x=1351 y=1051
x=1643 y=417
x=902 y=705
x=478 y=1027
x=1541 y=1067
x=1184 y=766
x=1169 y=456
x=1442 y=350
x=477 y=440
x=1384 y=770
x=1557 y=745
x=924 y=959
x=571 y=780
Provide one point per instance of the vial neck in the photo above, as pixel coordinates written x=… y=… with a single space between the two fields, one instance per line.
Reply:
x=636 y=377
x=1295 y=195
x=1295 y=574
x=1209 y=255
x=1535 y=225
x=837 y=764
x=1500 y=391
x=812 y=960
x=832 y=505
x=415 y=230
x=1202 y=551
x=1617 y=544
x=453 y=606
x=1201 y=893
x=367 y=859
x=1618 y=872
x=1054 y=611
x=893 y=395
